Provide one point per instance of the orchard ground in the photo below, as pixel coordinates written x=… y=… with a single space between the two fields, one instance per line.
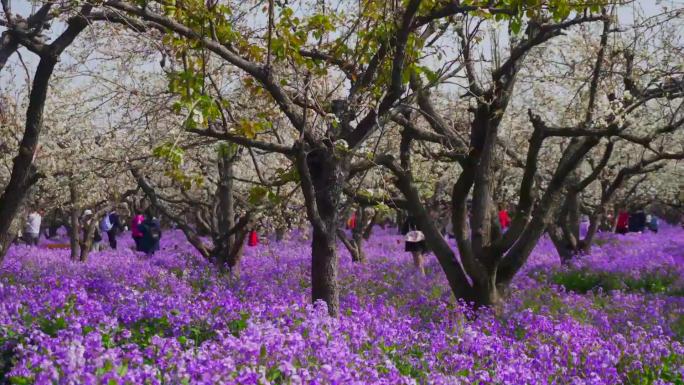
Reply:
x=614 y=317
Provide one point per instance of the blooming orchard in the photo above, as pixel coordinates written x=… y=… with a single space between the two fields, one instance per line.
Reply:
x=169 y=319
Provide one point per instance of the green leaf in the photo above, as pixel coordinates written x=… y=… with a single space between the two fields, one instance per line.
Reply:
x=20 y=380
x=257 y=194
x=516 y=25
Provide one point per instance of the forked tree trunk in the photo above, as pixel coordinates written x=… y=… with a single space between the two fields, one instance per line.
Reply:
x=360 y=233
x=353 y=245
x=565 y=231
x=86 y=243
x=568 y=247
x=323 y=176
x=230 y=239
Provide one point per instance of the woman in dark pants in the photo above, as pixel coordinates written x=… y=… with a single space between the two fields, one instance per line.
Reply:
x=415 y=243
x=115 y=230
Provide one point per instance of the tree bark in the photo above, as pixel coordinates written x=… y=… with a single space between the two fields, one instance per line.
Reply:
x=5 y=243
x=223 y=244
x=359 y=234
x=24 y=173
x=323 y=176
x=75 y=229
x=86 y=243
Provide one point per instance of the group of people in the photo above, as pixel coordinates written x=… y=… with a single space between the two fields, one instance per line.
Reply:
x=145 y=229
x=146 y=232
x=414 y=239
x=635 y=222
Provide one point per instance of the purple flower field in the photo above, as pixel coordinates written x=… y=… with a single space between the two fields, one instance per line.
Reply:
x=123 y=318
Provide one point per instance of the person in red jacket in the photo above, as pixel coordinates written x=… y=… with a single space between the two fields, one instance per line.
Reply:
x=622 y=223
x=253 y=238
x=137 y=235
x=504 y=219
x=351 y=223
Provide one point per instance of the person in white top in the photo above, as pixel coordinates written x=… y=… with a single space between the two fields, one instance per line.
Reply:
x=32 y=230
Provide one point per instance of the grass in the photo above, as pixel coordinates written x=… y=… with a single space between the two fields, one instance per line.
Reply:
x=585 y=280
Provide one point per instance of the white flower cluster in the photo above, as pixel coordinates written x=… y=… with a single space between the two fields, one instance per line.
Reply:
x=342 y=145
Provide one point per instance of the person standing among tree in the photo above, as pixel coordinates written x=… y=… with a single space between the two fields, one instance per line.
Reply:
x=504 y=218
x=106 y=226
x=137 y=235
x=151 y=234
x=414 y=242
x=622 y=223
x=652 y=223
x=115 y=229
x=351 y=223
x=637 y=221
x=32 y=230
x=253 y=238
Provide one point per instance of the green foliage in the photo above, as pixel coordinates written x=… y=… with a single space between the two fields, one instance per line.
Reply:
x=409 y=362
x=198 y=332
x=667 y=372
x=257 y=195
x=294 y=31
x=226 y=149
x=382 y=209
x=20 y=380
x=239 y=324
x=173 y=156
x=51 y=326
x=516 y=10
x=8 y=339
x=170 y=153
x=250 y=128
x=585 y=280
x=287 y=175
x=260 y=194
x=52 y=322
x=275 y=376
x=677 y=327
x=144 y=329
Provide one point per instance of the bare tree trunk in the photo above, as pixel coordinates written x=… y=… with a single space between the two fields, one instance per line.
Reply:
x=229 y=240
x=323 y=176
x=357 y=236
x=359 y=233
x=588 y=240
x=352 y=246
x=24 y=173
x=75 y=230
x=566 y=251
x=5 y=243
x=223 y=244
x=565 y=231
x=86 y=244
x=280 y=233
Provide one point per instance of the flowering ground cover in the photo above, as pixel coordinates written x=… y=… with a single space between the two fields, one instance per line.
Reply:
x=614 y=317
